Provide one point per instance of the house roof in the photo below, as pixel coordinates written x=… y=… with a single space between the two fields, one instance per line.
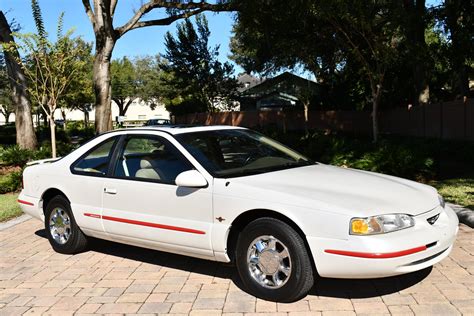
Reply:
x=287 y=83
x=247 y=81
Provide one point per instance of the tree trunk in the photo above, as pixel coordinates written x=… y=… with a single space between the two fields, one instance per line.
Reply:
x=306 y=117
x=415 y=32
x=25 y=132
x=376 y=94
x=86 y=118
x=102 y=86
x=63 y=114
x=52 y=127
x=459 y=50
x=7 y=117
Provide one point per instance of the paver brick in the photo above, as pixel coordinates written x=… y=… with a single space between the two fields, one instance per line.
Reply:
x=68 y=304
x=208 y=303
x=435 y=309
x=158 y=308
x=133 y=298
x=88 y=308
x=119 y=308
x=179 y=308
x=299 y=306
x=331 y=304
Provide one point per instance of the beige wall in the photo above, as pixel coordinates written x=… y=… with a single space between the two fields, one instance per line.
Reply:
x=138 y=111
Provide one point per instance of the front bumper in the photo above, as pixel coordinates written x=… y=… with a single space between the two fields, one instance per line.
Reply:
x=389 y=254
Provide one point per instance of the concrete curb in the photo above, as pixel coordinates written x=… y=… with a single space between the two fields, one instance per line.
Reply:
x=465 y=215
x=14 y=221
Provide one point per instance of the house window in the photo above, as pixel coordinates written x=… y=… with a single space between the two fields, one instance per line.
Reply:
x=142 y=117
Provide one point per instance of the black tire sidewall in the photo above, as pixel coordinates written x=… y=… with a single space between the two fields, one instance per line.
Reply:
x=70 y=246
x=301 y=268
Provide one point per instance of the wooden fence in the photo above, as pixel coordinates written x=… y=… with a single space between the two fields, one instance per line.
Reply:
x=448 y=120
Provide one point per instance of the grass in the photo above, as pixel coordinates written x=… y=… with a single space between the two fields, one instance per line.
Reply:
x=9 y=207
x=459 y=191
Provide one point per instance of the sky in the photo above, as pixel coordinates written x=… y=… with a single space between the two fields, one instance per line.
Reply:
x=139 y=42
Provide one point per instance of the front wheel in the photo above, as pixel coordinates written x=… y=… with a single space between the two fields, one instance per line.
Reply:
x=273 y=262
x=63 y=233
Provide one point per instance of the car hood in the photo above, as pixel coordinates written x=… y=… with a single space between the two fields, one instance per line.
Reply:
x=342 y=190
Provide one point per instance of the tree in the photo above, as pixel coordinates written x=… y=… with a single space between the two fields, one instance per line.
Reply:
x=459 y=25
x=101 y=15
x=124 y=83
x=414 y=23
x=78 y=94
x=325 y=37
x=25 y=132
x=6 y=105
x=150 y=79
x=50 y=67
x=139 y=78
x=196 y=73
x=368 y=32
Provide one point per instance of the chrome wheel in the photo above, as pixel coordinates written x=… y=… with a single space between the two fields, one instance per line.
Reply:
x=269 y=262
x=60 y=226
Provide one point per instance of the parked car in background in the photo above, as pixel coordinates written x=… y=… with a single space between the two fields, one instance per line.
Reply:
x=232 y=194
x=157 y=122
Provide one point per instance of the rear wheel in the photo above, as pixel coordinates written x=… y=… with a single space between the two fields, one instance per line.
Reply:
x=63 y=233
x=272 y=261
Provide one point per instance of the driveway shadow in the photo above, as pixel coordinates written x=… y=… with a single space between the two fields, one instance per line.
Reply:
x=325 y=287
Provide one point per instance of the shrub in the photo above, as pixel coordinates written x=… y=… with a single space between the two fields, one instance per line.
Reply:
x=11 y=182
x=413 y=159
x=15 y=156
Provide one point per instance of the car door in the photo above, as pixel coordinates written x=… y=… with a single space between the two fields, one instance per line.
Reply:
x=85 y=185
x=142 y=204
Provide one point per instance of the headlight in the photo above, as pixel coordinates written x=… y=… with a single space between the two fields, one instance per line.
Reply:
x=441 y=201
x=380 y=224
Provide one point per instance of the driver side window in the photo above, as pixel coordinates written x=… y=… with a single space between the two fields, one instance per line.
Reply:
x=150 y=158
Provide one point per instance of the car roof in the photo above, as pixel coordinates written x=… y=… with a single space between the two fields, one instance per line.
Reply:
x=179 y=129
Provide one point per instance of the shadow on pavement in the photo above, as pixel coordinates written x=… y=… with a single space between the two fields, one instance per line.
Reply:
x=325 y=287
x=365 y=288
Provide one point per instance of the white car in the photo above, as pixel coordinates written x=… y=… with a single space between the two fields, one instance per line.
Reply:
x=232 y=194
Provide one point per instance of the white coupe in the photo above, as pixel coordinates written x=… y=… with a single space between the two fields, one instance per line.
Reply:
x=232 y=194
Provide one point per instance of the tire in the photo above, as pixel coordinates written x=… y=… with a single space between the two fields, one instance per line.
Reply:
x=58 y=213
x=280 y=271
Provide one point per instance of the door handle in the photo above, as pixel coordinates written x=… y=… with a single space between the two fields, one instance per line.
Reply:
x=110 y=191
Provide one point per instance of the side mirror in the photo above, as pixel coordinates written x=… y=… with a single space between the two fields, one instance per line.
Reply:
x=191 y=179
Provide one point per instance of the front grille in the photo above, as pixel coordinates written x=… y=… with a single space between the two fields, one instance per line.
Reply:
x=433 y=219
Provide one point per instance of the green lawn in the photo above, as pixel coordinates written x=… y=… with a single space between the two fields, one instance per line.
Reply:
x=9 y=207
x=459 y=191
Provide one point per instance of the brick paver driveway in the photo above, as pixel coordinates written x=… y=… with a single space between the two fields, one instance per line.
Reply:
x=113 y=278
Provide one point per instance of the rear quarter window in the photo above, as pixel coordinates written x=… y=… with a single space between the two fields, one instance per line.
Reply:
x=96 y=161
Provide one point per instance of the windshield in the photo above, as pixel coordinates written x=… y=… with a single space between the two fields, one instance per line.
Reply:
x=239 y=152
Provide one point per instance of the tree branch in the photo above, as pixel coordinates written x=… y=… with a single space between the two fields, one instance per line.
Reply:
x=90 y=13
x=166 y=21
x=191 y=8
x=113 y=5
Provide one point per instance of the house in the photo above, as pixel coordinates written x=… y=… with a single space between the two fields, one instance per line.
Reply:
x=281 y=92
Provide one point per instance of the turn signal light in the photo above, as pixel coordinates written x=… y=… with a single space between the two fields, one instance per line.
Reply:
x=360 y=226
